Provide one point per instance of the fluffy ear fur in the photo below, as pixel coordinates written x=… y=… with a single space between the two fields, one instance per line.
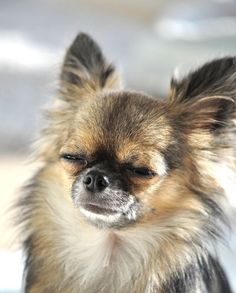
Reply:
x=215 y=78
x=85 y=72
x=207 y=96
x=85 y=69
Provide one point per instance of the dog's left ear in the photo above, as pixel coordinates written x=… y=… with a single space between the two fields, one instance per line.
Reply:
x=207 y=96
x=85 y=69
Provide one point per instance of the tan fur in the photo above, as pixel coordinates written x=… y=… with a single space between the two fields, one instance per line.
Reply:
x=118 y=250
x=172 y=221
x=179 y=204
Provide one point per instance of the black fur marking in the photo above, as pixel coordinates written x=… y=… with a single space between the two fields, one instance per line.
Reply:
x=105 y=74
x=226 y=110
x=173 y=156
x=206 y=274
x=210 y=79
x=87 y=52
x=217 y=80
x=216 y=222
x=214 y=277
x=29 y=273
x=85 y=56
x=213 y=208
x=176 y=151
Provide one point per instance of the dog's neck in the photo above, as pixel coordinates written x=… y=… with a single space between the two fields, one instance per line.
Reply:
x=118 y=258
x=135 y=259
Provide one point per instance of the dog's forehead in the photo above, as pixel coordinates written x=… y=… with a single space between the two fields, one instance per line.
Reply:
x=124 y=121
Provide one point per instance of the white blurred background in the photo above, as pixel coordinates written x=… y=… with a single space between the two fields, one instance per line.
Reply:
x=147 y=39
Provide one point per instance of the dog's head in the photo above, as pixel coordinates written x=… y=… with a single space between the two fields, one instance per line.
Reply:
x=127 y=158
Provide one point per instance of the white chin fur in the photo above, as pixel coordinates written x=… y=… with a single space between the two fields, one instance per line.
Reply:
x=105 y=218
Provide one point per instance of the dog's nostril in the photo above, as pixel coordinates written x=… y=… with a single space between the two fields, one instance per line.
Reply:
x=95 y=182
x=102 y=182
x=88 y=180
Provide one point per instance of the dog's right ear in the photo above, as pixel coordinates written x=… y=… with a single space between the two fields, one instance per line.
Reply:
x=85 y=70
x=207 y=96
x=215 y=78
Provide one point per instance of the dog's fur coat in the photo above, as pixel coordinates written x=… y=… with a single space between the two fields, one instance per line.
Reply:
x=170 y=212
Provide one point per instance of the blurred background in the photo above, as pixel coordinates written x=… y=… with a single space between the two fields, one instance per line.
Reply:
x=147 y=39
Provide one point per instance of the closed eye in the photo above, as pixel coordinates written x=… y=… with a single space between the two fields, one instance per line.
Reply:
x=74 y=159
x=140 y=172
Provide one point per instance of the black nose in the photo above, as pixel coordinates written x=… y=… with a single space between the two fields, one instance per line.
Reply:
x=95 y=181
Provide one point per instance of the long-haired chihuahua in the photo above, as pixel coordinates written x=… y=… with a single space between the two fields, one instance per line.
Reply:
x=129 y=196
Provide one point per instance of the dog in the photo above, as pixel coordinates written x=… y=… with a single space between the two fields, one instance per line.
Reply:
x=129 y=195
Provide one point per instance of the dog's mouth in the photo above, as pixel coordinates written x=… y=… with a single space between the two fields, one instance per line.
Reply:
x=108 y=209
x=104 y=215
x=101 y=215
x=98 y=209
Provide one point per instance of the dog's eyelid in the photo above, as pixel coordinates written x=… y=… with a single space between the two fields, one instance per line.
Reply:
x=141 y=171
x=73 y=157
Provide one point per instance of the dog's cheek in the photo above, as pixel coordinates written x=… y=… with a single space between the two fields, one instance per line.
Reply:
x=62 y=178
x=167 y=199
x=140 y=186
